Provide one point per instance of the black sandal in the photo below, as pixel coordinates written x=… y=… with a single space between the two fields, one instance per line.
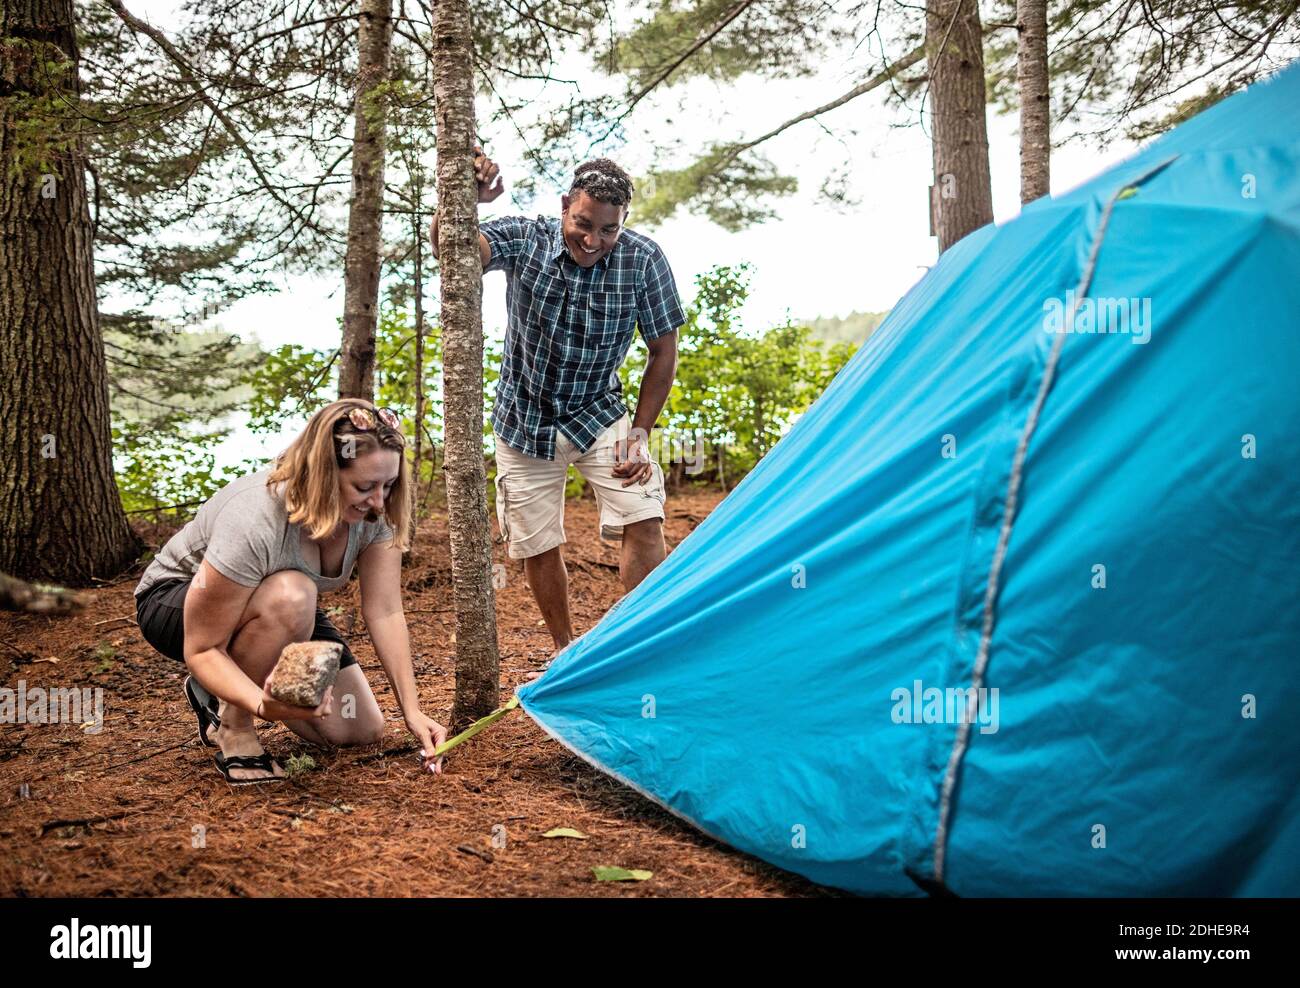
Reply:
x=206 y=715
x=262 y=761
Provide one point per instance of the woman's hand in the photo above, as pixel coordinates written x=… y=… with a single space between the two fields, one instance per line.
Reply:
x=272 y=709
x=430 y=734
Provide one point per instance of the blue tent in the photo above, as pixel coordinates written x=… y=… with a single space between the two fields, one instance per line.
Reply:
x=1064 y=472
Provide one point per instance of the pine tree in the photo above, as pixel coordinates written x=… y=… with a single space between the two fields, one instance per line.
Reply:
x=477 y=661
x=365 y=213
x=60 y=515
x=1035 y=103
x=962 y=196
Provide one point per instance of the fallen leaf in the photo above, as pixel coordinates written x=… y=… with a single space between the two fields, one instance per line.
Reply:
x=605 y=873
x=566 y=832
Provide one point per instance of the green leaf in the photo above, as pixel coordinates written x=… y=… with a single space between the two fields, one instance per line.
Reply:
x=566 y=832
x=605 y=873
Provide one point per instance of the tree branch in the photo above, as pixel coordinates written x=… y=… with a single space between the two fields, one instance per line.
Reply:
x=906 y=62
x=188 y=75
x=676 y=63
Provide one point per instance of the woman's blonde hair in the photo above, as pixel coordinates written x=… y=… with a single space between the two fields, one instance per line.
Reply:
x=309 y=469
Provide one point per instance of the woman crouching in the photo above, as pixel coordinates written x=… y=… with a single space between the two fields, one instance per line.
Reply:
x=242 y=579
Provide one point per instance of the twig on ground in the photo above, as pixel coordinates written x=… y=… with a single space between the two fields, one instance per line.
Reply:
x=341 y=807
x=24 y=656
x=406 y=749
x=163 y=751
x=88 y=822
x=12 y=750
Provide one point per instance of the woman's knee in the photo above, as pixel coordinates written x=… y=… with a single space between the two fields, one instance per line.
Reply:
x=357 y=718
x=367 y=732
x=342 y=732
x=366 y=726
x=288 y=598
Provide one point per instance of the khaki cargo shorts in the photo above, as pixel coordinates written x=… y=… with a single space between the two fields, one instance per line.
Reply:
x=530 y=492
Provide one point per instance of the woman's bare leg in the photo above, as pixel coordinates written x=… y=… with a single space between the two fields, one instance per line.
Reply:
x=354 y=719
x=281 y=610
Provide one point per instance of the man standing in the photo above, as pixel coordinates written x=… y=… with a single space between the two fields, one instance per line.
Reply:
x=577 y=288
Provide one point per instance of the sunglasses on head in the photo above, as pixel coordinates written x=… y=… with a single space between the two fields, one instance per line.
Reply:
x=365 y=420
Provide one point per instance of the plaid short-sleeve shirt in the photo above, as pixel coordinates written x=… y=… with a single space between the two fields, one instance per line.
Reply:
x=569 y=329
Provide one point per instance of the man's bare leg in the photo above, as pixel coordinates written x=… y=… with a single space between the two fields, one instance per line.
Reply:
x=643 y=550
x=549 y=581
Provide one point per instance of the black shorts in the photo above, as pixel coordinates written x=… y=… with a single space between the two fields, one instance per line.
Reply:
x=160 y=610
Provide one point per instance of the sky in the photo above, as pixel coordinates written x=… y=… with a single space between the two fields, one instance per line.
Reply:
x=811 y=260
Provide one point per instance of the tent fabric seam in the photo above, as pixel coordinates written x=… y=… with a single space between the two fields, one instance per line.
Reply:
x=1011 y=503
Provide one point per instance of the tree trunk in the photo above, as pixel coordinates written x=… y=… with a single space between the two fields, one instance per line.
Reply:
x=418 y=236
x=962 y=196
x=1035 y=107
x=365 y=213
x=61 y=517
x=477 y=664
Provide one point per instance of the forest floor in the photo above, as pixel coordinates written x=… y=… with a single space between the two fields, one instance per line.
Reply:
x=139 y=809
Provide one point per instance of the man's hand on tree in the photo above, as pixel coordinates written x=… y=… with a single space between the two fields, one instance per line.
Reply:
x=486 y=173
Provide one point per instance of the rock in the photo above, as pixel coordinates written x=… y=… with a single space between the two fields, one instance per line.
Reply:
x=304 y=672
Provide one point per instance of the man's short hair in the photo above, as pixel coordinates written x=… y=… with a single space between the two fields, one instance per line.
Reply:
x=604 y=181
